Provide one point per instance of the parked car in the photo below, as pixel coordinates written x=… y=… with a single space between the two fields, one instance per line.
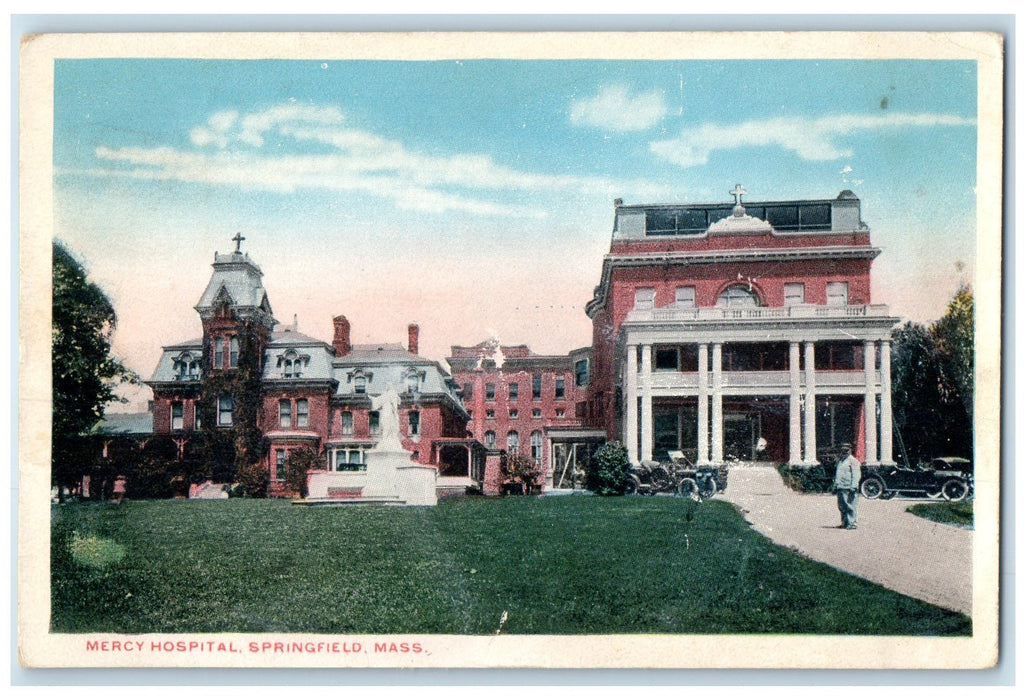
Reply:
x=950 y=478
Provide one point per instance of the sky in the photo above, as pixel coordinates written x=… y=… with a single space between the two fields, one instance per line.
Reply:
x=476 y=197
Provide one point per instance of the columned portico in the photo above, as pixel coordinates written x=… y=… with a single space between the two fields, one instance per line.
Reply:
x=886 y=425
x=795 y=405
x=717 y=403
x=869 y=412
x=630 y=400
x=646 y=402
x=703 y=404
x=810 y=404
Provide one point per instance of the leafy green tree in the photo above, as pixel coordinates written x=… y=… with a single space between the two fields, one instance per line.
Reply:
x=932 y=383
x=520 y=473
x=609 y=470
x=85 y=374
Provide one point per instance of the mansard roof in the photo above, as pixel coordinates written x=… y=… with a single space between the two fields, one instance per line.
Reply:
x=236 y=282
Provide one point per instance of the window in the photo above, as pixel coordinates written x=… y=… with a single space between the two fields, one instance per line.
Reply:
x=837 y=293
x=667 y=359
x=468 y=391
x=513 y=441
x=514 y=414
x=186 y=367
x=225 y=410
x=347 y=422
x=414 y=418
x=490 y=414
x=196 y=413
x=536 y=413
x=302 y=413
x=359 y=384
x=177 y=415
x=685 y=298
x=794 y=293
x=233 y=352
x=374 y=422
x=514 y=391
x=489 y=392
x=738 y=295
x=284 y=413
x=536 y=446
x=581 y=372
x=560 y=388
x=412 y=383
x=218 y=353
x=280 y=458
x=560 y=413
x=644 y=298
x=536 y=386
x=489 y=439
x=349 y=459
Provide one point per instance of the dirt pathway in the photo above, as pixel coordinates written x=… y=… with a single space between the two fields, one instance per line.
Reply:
x=908 y=554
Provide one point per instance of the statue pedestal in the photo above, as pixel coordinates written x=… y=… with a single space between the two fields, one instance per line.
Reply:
x=392 y=478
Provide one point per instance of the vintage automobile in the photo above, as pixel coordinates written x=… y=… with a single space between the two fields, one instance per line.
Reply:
x=950 y=478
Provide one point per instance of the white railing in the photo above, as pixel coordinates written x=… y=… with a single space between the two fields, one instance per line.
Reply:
x=761 y=379
x=756 y=313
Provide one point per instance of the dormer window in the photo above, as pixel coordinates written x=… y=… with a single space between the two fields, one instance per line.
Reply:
x=186 y=367
x=359 y=379
x=413 y=380
x=291 y=364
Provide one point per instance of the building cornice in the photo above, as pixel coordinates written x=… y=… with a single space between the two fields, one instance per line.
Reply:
x=712 y=257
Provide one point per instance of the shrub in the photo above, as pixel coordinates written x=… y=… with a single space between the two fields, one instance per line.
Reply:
x=609 y=470
x=300 y=462
x=520 y=474
x=817 y=479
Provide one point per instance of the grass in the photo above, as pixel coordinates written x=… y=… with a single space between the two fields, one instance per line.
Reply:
x=947 y=513
x=553 y=565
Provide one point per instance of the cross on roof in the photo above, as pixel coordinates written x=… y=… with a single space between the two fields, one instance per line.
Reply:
x=737 y=192
x=239 y=238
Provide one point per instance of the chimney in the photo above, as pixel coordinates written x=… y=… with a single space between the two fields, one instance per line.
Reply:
x=341 y=341
x=414 y=335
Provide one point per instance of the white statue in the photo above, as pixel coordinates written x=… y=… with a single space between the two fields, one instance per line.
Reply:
x=387 y=406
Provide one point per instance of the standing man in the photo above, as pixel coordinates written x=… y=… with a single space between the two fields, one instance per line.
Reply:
x=846 y=486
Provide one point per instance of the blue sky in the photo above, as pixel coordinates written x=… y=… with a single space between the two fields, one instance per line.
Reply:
x=476 y=197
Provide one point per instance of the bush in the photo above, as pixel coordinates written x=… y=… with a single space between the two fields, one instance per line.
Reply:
x=609 y=471
x=520 y=474
x=297 y=465
x=817 y=479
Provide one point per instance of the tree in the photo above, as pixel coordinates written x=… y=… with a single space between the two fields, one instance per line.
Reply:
x=932 y=383
x=520 y=473
x=609 y=470
x=85 y=374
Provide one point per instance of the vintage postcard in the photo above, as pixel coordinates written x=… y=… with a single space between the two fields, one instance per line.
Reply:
x=525 y=350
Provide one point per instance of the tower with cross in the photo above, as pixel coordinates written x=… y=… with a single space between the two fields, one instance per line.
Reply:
x=739 y=209
x=239 y=238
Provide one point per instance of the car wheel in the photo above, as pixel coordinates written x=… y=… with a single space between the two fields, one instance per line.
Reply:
x=687 y=488
x=872 y=487
x=954 y=490
x=633 y=484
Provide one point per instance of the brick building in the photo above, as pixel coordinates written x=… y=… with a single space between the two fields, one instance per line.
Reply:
x=741 y=331
x=300 y=391
x=522 y=402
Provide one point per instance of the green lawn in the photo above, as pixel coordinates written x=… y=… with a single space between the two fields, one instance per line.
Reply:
x=948 y=513
x=568 y=565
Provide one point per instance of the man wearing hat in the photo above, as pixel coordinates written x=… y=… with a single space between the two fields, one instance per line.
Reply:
x=846 y=486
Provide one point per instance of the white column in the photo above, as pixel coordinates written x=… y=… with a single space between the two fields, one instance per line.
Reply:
x=869 y=410
x=703 y=404
x=795 y=406
x=886 y=425
x=810 y=403
x=717 y=403
x=630 y=399
x=647 y=422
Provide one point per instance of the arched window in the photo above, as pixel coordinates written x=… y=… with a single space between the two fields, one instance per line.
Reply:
x=738 y=296
x=225 y=410
x=489 y=439
x=536 y=446
x=347 y=422
x=233 y=352
x=513 y=441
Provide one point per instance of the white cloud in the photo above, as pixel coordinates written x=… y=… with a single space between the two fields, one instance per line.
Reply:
x=810 y=139
x=346 y=159
x=616 y=109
